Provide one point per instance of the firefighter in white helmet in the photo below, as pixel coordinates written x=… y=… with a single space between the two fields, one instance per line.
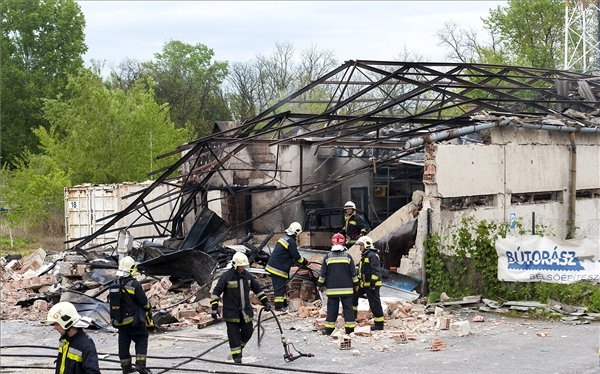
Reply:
x=130 y=314
x=354 y=225
x=369 y=276
x=233 y=289
x=284 y=255
x=338 y=277
x=77 y=351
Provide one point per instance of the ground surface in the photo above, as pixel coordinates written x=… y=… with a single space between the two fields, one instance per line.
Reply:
x=497 y=346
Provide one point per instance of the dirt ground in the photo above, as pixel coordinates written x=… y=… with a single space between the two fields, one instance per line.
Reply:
x=498 y=345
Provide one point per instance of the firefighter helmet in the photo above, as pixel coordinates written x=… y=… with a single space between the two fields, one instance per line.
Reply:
x=126 y=266
x=239 y=259
x=366 y=241
x=63 y=313
x=338 y=239
x=294 y=229
x=350 y=205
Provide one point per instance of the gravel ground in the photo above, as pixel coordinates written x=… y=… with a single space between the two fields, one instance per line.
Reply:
x=498 y=345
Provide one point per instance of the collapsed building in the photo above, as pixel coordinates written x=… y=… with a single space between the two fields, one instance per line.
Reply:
x=417 y=146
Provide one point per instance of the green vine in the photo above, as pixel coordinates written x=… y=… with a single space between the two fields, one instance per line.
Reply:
x=468 y=265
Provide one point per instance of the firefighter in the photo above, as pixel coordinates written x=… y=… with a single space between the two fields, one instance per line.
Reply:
x=338 y=277
x=235 y=286
x=354 y=224
x=369 y=276
x=280 y=262
x=76 y=351
x=130 y=314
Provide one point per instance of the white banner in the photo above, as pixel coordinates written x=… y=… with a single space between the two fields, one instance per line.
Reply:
x=535 y=258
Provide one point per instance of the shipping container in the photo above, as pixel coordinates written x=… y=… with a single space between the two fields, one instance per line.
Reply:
x=87 y=204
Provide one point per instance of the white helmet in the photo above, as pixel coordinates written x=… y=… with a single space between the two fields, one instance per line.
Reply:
x=126 y=266
x=239 y=259
x=350 y=204
x=366 y=241
x=294 y=229
x=337 y=248
x=63 y=313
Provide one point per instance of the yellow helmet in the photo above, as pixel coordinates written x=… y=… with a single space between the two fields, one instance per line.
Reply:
x=63 y=313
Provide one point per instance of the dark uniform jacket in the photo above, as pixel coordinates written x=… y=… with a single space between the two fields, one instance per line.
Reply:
x=338 y=274
x=77 y=355
x=235 y=288
x=283 y=257
x=369 y=269
x=355 y=226
x=133 y=301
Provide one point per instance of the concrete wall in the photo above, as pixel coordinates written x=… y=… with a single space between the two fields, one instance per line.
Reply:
x=518 y=161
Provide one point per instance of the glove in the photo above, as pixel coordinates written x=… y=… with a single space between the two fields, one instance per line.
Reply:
x=215 y=314
x=267 y=306
x=149 y=321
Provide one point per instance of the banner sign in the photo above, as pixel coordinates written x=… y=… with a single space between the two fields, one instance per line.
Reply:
x=535 y=258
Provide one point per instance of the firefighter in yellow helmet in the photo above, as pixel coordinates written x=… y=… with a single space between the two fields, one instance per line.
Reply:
x=76 y=351
x=130 y=314
x=284 y=255
x=369 y=276
x=234 y=286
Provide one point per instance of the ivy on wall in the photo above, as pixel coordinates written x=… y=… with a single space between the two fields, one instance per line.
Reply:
x=468 y=265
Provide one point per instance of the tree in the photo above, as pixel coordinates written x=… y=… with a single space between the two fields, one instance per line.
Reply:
x=532 y=30
x=42 y=43
x=188 y=80
x=525 y=32
x=256 y=85
x=108 y=136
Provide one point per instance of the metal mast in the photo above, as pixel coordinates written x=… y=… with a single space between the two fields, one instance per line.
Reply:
x=582 y=35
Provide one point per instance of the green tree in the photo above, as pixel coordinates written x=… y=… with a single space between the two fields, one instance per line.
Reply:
x=108 y=136
x=524 y=32
x=42 y=43
x=188 y=80
x=531 y=30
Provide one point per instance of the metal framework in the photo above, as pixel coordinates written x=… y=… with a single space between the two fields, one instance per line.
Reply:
x=383 y=110
x=582 y=35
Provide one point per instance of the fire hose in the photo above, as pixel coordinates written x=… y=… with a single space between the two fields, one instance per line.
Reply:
x=290 y=352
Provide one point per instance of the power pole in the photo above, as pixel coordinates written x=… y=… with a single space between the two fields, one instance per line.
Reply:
x=582 y=35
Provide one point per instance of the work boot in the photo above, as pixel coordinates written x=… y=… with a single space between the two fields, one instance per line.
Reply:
x=140 y=366
x=237 y=358
x=378 y=326
x=326 y=331
x=349 y=330
x=126 y=367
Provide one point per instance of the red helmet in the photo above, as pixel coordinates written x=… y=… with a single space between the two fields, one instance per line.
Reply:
x=338 y=239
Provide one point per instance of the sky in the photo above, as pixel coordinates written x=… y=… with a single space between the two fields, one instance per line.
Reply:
x=239 y=31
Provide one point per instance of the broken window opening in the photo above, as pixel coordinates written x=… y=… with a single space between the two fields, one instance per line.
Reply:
x=588 y=194
x=468 y=202
x=536 y=197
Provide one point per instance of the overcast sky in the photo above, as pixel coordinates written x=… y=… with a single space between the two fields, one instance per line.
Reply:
x=238 y=31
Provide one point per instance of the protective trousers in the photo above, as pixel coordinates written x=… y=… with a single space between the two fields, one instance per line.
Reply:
x=238 y=333
x=139 y=335
x=333 y=307
x=374 y=304
x=279 y=291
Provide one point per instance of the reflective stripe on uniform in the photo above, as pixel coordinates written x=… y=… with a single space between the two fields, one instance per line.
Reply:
x=284 y=243
x=340 y=291
x=277 y=272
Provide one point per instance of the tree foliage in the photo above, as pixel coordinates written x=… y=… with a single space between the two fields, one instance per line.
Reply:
x=524 y=32
x=42 y=43
x=108 y=136
x=188 y=80
x=258 y=84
